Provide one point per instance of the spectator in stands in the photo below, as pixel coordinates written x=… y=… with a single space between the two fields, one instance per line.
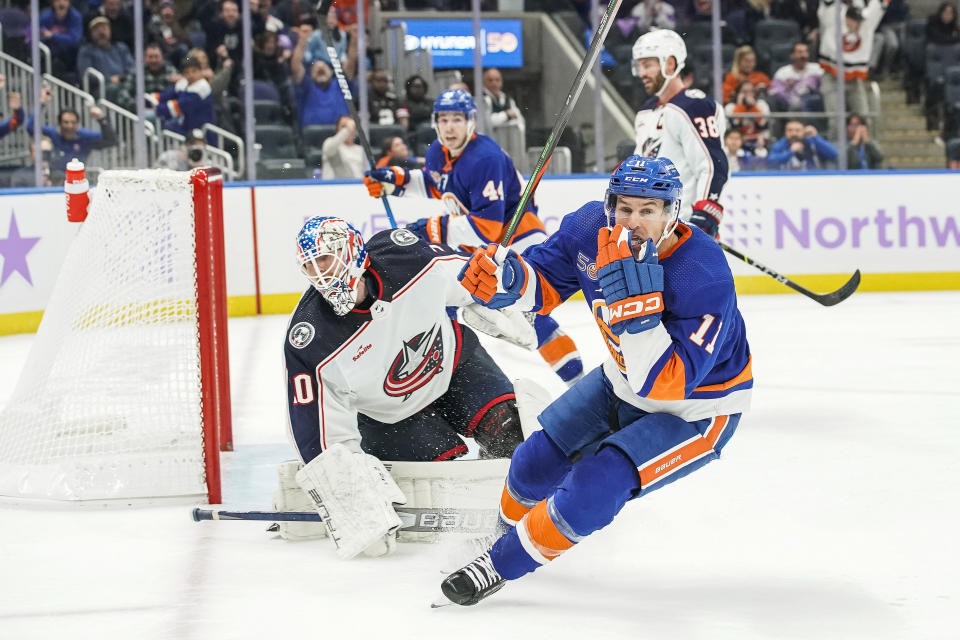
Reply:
x=165 y=31
x=886 y=40
x=859 y=27
x=319 y=99
x=270 y=21
x=61 y=29
x=800 y=149
x=25 y=176
x=158 y=74
x=418 y=104
x=942 y=25
x=120 y=20
x=744 y=68
x=342 y=156
x=112 y=59
x=219 y=80
x=654 y=13
x=269 y=63
x=295 y=13
x=70 y=140
x=384 y=106
x=501 y=108
x=225 y=34
x=188 y=104
x=317 y=46
x=743 y=20
x=190 y=155
x=738 y=158
x=862 y=152
x=747 y=103
x=396 y=153
x=796 y=86
x=17 y=116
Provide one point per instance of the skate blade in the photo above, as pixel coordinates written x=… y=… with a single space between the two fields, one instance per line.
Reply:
x=441 y=602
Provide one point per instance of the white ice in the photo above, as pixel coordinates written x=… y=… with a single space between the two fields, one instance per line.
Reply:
x=833 y=514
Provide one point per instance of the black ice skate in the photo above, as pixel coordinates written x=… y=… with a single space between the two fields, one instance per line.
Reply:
x=473 y=582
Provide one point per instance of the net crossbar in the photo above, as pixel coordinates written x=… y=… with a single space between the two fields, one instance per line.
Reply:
x=110 y=404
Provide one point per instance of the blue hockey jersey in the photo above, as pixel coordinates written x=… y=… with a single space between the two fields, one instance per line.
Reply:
x=488 y=188
x=696 y=363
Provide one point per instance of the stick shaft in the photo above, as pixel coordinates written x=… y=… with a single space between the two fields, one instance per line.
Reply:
x=578 y=81
x=417 y=520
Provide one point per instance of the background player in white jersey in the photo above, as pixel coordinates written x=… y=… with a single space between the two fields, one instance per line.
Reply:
x=685 y=125
x=662 y=405
x=481 y=188
x=377 y=369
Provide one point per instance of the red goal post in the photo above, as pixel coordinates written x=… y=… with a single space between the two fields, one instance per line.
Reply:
x=126 y=391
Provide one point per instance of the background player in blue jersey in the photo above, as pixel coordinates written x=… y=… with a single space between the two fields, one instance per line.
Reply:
x=666 y=401
x=480 y=188
x=685 y=125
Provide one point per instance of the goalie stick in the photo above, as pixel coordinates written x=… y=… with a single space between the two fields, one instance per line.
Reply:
x=323 y=7
x=415 y=520
x=826 y=299
x=603 y=27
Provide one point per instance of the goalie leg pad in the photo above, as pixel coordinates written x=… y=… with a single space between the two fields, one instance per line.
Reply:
x=290 y=497
x=354 y=494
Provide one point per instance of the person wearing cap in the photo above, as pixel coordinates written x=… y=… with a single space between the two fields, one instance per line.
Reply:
x=71 y=140
x=120 y=19
x=190 y=155
x=112 y=59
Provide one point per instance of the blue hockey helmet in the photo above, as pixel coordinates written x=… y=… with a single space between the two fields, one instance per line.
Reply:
x=333 y=257
x=456 y=101
x=642 y=177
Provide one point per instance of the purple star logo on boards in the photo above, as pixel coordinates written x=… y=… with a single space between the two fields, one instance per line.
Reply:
x=14 y=249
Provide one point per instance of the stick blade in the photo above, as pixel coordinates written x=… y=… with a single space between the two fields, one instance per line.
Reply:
x=841 y=294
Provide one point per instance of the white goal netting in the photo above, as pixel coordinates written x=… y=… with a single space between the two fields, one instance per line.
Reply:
x=109 y=403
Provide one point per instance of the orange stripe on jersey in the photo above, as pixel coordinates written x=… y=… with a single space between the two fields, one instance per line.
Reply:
x=490 y=229
x=713 y=433
x=685 y=235
x=557 y=349
x=670 y=382
x=743 y=376
x=511 y=510
x=654 y=470
x=529 y=222
x=543 y=533
x=551 y=299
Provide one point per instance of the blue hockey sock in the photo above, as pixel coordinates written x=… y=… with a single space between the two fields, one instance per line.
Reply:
x=537 y=467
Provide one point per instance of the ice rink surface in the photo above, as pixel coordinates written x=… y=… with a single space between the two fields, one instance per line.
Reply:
x=832 y=514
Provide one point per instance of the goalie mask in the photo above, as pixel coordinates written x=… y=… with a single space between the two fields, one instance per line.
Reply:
x=333 y=257
x=642 y=177
x=455 y=101
x=661 y=44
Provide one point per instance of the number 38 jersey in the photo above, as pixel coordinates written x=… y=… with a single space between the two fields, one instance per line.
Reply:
x=689 y=130
x=488 y=187
x=696 y=363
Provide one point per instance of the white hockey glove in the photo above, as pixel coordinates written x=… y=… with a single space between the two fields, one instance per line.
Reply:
x=532 y=399
x=354 y=495
x=505 y=323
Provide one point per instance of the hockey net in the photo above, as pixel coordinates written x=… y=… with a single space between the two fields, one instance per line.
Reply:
x=125 y=393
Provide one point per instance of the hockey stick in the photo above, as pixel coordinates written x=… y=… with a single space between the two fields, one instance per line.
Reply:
x=416 y=520
x=323 y=7
x=826 y=299
x=578 y=81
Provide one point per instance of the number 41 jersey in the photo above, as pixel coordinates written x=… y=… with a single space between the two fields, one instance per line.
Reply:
x=688 y=130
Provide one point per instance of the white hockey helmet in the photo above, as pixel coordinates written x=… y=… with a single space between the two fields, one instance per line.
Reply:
x=661 y=44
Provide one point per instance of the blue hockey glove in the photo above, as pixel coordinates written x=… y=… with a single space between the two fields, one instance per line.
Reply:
x=707 y=215
x=386 y=180
x=431 y=229
x=632 y=287
x=494 y=278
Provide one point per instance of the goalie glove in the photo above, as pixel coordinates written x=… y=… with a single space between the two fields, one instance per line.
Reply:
x=707 y=214
x=506 y=324
x=354 y=494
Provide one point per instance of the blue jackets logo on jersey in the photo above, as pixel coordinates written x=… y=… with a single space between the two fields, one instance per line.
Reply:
x=301 y=335
x=420 y=359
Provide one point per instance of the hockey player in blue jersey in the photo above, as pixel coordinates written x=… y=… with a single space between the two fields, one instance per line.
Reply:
x=480 y=188
x=662 y=405
x=685 y=125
